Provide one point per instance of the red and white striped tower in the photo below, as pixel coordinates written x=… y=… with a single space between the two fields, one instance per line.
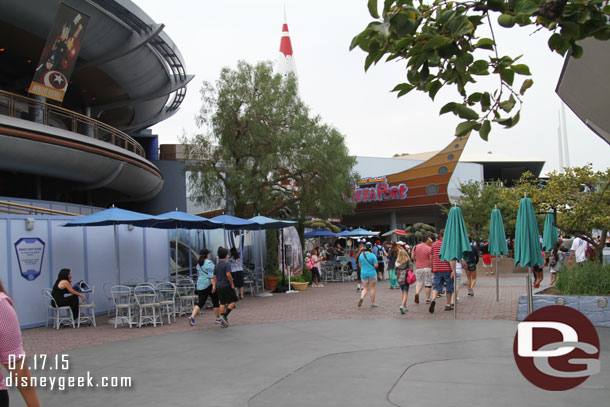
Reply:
x=285 y=62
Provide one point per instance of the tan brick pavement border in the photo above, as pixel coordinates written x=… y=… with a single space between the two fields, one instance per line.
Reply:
x=334 y=301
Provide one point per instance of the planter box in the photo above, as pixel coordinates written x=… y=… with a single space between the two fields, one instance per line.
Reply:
x=299 y=286
x=271 y=283
x=588 y=305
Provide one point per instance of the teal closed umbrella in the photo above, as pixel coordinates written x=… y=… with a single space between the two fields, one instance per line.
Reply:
x=549 y=236
x=497 y=243
x=455 y=241
x=527 y=244
x=527 y=236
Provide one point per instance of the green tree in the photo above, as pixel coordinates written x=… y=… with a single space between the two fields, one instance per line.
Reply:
x=580 y=199
x=440 y=44
x=264 y=149
x=418 y=231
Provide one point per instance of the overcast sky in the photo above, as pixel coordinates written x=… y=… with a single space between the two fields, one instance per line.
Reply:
x=214 y=34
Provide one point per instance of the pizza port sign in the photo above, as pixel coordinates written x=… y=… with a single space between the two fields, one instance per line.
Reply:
x=378 y=189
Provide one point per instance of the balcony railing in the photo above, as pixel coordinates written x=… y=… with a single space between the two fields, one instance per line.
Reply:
x=33 y=110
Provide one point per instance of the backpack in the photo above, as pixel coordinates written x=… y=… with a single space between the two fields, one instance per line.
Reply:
x=309 y=263
x=380 y=253
x=552 y=260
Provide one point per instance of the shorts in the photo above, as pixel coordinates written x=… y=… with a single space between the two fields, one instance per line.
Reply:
x=226 y=295
x=458 y=278
x=424 y=276
x=369 y=280
x=487 y=259
x=405 y=287
x=203 y=297
x=238 y=278
x=315 y=273
x=440 y=278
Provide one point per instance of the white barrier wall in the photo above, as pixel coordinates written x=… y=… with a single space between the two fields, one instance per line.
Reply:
x=88 y=252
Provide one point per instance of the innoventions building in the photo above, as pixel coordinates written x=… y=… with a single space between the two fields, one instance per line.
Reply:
x=81 y=82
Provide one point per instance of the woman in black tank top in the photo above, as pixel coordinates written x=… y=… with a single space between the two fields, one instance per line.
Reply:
x=63 y=286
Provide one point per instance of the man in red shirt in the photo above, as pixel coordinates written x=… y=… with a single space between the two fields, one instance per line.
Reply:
x=443 y=272
x=422 y=255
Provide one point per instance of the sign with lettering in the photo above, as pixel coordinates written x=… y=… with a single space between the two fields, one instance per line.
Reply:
x=30 y=252
x=381 y=191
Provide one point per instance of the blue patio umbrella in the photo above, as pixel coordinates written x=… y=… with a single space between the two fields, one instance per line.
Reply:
x=264 y=222
x=497 y=243
x=230 y=222
x=113 y=217
x=319 y=233
x=360 y=232
x=549 y=236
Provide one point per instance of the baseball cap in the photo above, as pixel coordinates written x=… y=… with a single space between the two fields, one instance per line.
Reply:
x=368 y=245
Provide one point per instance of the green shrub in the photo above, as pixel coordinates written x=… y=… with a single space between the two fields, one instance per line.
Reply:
x=306 y=274
x=299 y=279
x=273 y=273
x=587 y=279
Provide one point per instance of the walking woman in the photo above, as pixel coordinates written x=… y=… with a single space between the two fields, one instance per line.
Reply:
x=63 y=286
x=368 y=274
x=392 y=255
x=206 y=286
x=11 y=354
x=237 y=271
x=402 y=267
x=315 y=271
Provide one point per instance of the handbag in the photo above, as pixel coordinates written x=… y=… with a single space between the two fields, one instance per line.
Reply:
x=411 y=277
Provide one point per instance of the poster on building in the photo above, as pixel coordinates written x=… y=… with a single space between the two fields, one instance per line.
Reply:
x=30 y=252
x=59 y=54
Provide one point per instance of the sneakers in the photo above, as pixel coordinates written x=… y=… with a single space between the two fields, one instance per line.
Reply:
x=417 y=298
x=218 y=320
x=224 y=322
x=403 y=309
x=374 y=305
x=320 y=285
x=471 y=292
x=360 y=302
x=428 y=301
x=448 y=307
x=192 y=320
x=432 y=305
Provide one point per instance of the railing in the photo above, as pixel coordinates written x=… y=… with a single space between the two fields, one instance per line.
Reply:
x=34 y=110
x=21 y=209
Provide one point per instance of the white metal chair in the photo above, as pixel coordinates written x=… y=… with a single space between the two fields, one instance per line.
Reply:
x=166 y=297
x=148 y=306
x=107 y=287
x=249 y=281
x=89 y=309
x=56 y=311
x=121 y=298
x=185 y=289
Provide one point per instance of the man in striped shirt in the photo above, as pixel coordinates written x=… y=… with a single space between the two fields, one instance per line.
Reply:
x=443 y=272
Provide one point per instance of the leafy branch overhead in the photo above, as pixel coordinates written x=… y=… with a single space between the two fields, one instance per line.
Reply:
x=440 y=44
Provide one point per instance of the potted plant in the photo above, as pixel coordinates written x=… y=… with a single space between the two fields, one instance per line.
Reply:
x=299 y=283
x=271 y=279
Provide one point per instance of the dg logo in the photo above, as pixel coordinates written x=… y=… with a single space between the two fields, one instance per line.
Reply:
x=557 y=348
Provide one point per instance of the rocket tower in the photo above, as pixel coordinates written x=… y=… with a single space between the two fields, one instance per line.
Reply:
x=285 y=62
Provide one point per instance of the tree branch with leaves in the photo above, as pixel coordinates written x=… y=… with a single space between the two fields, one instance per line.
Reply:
x=439 y=42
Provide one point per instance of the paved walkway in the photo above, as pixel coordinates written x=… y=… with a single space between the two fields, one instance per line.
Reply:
x=315 y=348
x=335 y=301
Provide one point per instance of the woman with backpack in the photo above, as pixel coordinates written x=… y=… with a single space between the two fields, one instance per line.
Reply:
x=237 y=271
x=206 y=287
x=368 y=274
x=556 y=260
x=315 y=270
x=402 y=271
x=392 y=256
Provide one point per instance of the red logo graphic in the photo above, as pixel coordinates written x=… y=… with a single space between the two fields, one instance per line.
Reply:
x=556 y=348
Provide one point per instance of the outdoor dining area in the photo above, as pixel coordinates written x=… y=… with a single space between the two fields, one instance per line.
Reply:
x=150 y=300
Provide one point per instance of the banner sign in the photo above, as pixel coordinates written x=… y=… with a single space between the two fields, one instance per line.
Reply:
x=30 y=252
x=59 y=54
x=378 y=189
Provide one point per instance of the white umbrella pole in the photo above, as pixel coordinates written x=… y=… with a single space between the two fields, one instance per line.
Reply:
x=116 y=256
x=176 y=253
x=530 y=294
x=260 y=246
x=290 y=290
x=497 y=282
x=455 y=300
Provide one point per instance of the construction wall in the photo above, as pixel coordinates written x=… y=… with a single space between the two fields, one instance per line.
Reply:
x=88 y=252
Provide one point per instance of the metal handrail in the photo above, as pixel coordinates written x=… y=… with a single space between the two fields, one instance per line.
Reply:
x=34 y=110
x=21 y=209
